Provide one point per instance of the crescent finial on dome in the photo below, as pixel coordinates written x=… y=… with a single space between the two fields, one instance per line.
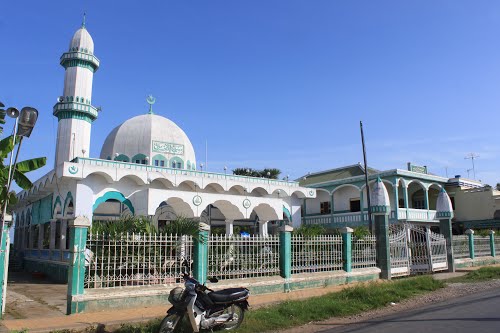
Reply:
x=150 y=100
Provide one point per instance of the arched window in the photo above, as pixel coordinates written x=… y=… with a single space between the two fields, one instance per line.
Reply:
x=177 y=162
x=122 y=158
x=140 y=159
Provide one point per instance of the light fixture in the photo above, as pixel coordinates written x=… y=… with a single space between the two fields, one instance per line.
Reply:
x=27 y=121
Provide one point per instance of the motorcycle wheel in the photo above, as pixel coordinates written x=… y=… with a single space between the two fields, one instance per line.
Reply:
x=169 y=323
x=238 y=315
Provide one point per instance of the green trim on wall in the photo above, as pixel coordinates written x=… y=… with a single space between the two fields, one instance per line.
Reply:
x=79 y=63
x=74 y=115
x=287 y=213
x=116 y=196
x=69 y=196
x=57 y=201
x=122 y=158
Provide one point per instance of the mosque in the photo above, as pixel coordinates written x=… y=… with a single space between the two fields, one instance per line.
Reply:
x=147 y=167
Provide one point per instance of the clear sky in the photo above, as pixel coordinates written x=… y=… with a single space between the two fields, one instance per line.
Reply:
x=275 y=83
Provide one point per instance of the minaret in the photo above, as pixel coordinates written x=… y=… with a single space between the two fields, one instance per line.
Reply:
x=74 y=110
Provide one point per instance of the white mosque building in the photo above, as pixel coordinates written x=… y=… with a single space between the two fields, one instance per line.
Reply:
x=146 y=167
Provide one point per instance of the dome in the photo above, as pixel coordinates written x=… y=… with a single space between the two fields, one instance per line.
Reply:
x=150 y=139
x=82 y=42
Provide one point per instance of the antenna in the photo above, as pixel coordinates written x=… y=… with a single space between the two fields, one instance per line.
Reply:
x=472 y=157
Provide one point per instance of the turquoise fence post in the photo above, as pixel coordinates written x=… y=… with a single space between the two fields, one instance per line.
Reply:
x=200 y=255
x=76 y=270
x=347 y=248
x=286 y=254
x=470 y=233
x=4 y=267
x=492 y=243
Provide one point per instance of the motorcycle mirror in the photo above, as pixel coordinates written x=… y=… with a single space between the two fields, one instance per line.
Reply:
x=213 y=280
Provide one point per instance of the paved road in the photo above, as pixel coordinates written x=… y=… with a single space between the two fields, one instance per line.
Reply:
x=479 y=313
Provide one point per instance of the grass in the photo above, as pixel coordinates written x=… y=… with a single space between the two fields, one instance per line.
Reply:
x=349 y=301
x=482 y=274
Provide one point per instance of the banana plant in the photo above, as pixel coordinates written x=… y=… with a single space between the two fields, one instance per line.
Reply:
x=18 y=173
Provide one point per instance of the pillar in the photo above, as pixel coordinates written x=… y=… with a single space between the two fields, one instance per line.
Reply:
x=40 y=236
x=229 y=227
x=263 y=228
x=426 y=199
x=405 y=191
x=361 y=207
x=52 y=238
x=347 y=248
x=200 y=255
x=4 y=268
x=286 y=254
x=492 y=243
x=76 y=268
x=64 y=229
x=445 y=230
x=470 y=233
x=382 y=236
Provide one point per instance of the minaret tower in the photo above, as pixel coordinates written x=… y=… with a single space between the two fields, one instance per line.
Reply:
x=74 y=109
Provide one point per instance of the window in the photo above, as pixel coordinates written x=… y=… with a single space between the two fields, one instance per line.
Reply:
x=325 y=207
x=162 y=163
x=157 y=163
x=419 y=204
x=401 y=203
x=355 y=205
x=178 y=165
x=173 y=165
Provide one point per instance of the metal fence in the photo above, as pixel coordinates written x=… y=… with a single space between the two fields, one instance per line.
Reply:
x=236 y=257
x=364 y=253
x=136 y=259
x=316 y=253
x=496 y=241
x=482 y=246
x=460 y=245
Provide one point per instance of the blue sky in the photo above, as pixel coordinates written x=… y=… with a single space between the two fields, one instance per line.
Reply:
x=275 y=83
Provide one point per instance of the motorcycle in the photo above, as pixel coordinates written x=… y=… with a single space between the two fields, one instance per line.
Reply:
x=206 y=309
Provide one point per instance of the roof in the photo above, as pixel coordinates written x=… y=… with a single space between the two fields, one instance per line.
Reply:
x=335 y=174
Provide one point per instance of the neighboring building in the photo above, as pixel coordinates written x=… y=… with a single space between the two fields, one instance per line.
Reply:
x=341 y=195
x=147 y=166
x=475 y=205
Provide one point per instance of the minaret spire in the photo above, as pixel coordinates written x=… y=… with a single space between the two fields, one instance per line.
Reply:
x=83 y=22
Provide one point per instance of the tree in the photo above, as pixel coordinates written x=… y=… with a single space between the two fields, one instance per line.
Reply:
x=497 y=187
x=271 y=173
x=21 y=168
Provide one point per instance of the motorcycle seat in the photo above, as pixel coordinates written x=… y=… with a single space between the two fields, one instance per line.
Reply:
x=228 y=295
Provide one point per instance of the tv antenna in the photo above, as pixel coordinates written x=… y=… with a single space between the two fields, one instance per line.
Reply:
x=472 y=157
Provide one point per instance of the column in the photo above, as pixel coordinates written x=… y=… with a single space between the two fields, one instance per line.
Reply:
x=76 y=268
x=382 y=236
x=40 y=236
x=396 y=200
x=64 y=229
x=426 y=199
x=405 y=191
x=263 y=228
x=347 y=248
x=286 y=254
x=492 y=243
x=332 y=209
x=445 y=230
x=470 y=233
x=4 y=268
x=200 y=255
x=229 y=227
x=52 y=239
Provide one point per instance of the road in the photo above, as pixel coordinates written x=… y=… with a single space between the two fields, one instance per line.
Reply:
x=478 y=313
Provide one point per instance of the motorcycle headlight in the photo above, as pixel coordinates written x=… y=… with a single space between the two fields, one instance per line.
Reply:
x=175 y=295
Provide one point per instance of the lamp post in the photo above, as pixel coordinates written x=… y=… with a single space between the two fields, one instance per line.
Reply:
x=201 y=167
x=24 y=124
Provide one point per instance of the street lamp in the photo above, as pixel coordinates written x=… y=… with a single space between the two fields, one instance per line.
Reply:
x=201 y=167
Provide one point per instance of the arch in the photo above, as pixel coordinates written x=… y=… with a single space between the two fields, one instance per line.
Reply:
x=159 y=161
x=122 y=158
x=176 y=163
x=416 y=194
x=432 y=193
x=188 y=185
x=161 y=183
x=299 y=194
x=116 y=196
x=439 y=186
x=266 y=213
x=214 y=187
x=136 y=179
x=259 y=191
x=108 y=178
x=67 y=201
x=237 y=189
x=287 y=213
x=345 y=185
x=180 y=207
x=57 y=209
x=228 y=209
x=373 y=181
x=139 y=159
x=417 y=182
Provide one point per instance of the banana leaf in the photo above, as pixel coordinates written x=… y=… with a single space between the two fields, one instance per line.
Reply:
x=22 y=181
x=31 y=164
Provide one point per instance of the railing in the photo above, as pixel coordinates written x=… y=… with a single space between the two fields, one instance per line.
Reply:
x=136 y=259
x=364 y=252
x=417 y=214
x=402 y=214
x=316 y=253
x=496 y=241
x=170 y=171
x=346 y=218
x=482 y=246
x=318 y=219
x=460 y=246
x=236 y=257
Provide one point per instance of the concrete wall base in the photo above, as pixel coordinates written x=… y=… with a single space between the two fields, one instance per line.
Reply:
x=478 y=261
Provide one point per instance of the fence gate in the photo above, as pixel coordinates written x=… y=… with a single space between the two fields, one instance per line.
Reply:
x=418 y=247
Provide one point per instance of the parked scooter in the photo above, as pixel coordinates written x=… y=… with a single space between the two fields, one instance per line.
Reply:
x=205 y=308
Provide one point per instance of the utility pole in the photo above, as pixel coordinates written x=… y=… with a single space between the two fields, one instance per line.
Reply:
x=472 y=157
x=366 y=179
